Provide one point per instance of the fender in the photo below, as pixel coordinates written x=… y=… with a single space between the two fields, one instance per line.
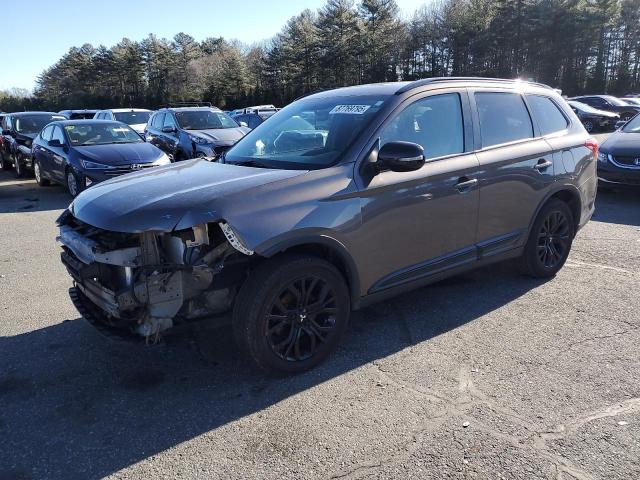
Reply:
x=315 y=236
x=556 y=188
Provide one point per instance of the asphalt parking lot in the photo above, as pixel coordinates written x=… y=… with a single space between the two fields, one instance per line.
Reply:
x=488 y=375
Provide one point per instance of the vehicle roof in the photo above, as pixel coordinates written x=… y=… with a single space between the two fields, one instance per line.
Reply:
x=86 y=121
x=186 y=109
x=119 y=110
x=16 y=114
x=396 y=88
x=79 y=110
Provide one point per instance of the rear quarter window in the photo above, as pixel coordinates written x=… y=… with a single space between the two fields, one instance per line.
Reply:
x=547 y=114
x=503 y=118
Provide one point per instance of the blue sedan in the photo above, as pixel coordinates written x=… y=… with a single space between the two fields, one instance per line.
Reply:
x=78 y=153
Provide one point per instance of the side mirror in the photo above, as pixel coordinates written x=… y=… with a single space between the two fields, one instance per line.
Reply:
x=243 y=124
x=400 y=157
x=168 y=129
x=54 y=143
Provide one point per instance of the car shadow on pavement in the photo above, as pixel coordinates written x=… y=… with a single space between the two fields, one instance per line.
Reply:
x=618 y=206
x=24 y=195
x=77 y=405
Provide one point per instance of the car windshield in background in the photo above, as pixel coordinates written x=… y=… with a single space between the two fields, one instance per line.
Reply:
x=583 y=107
x=132 y=118
x=100 y=134
x=633 y=126
x=308 y=134
x=204 y=120
x=34 y=123
x=616 y=101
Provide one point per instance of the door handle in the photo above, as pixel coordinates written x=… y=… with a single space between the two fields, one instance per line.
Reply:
x=464 y=184
x=542 y=165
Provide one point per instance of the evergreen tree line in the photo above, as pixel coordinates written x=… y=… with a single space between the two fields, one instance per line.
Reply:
x=580 y=46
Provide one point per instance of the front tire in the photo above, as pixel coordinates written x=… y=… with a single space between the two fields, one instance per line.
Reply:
x=37 y=173
x=74 y=185
x=550 y=241
x=588 y=126
x=20 y=169
x=291 y=313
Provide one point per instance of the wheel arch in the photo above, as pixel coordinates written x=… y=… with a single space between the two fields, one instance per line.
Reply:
x=324 y=247
x=568 y=194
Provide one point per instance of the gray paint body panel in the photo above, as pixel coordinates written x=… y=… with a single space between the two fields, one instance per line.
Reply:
x=392 y=229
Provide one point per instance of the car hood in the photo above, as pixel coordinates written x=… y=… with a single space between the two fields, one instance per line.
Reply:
x=602 y=113
x=120 y=153
x=177 y=196
x=26 y=136
x=221 y=135
x=139 y=127
x=622 y=143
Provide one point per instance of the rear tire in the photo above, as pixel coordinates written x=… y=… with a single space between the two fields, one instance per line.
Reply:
x=549 y=241
x=588 y=126
x=37 y=173
x=291 y=313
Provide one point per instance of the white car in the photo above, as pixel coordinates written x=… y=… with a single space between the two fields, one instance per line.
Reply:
x=136 y=118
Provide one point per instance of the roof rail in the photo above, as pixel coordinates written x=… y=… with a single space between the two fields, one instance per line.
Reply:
x=428 y=81
x=187 y=104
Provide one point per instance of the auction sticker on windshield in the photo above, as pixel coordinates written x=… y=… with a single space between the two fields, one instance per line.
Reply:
x=350 y=109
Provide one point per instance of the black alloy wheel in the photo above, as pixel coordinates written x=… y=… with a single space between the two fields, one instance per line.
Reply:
x=291 y=312
x=553 y=239
x=301 y=318
x=549 y=240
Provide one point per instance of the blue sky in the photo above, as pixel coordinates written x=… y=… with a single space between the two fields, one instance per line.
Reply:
x=47 y=29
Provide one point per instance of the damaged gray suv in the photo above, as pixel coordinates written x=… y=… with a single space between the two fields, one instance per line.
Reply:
x=341 y=199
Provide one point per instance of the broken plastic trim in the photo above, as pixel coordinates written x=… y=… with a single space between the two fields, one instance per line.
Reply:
x=233 y=239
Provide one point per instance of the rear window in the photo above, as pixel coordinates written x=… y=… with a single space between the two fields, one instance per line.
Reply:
x=503 y=118
x=547 y=114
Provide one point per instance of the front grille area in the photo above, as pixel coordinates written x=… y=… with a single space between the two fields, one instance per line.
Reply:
x=115 y=172
x=628 y=161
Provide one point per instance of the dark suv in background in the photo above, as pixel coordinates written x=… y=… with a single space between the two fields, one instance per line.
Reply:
x=341 y=199
x=18 y=131
x=191 y=132
x=609 y=103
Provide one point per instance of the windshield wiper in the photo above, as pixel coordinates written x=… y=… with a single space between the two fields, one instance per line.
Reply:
x=249 y=163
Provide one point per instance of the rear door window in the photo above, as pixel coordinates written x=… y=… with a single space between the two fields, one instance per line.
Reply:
x=169 y=121
x=435 y=122
x=58 y=135
x=503 y=118
x=46 y=133
x=157 y=121
x=547 y=114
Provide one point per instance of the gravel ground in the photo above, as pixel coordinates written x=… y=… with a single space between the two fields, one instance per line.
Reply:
x=487 y=375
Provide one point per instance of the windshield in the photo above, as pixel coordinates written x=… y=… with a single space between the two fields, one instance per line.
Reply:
x=132 y=118
x=584 y=107
x=616 y=101
x=81 y=115
x=101 y=134
x=34 y=123
x=308 y=134
x=632 y=101
x=204 y=120
x=633 y=126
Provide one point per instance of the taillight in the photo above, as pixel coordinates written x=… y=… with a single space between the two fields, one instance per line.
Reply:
x=592 y=144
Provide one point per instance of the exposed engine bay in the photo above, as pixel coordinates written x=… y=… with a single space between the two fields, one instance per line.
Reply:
x=145 y=283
